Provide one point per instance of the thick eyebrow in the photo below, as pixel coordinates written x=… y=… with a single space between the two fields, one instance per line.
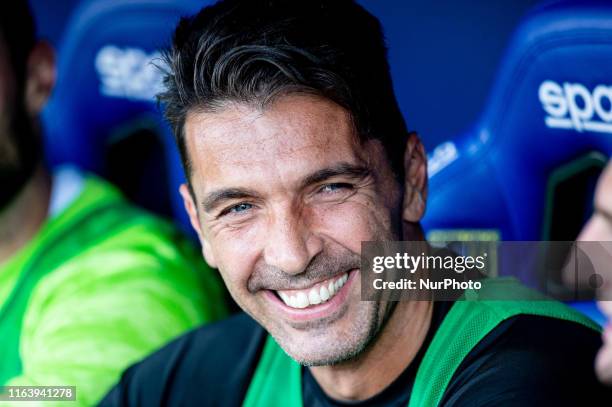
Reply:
x=216 y=198
x=342 y=169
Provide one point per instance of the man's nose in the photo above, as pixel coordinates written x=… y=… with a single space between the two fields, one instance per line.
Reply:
x=291 y=243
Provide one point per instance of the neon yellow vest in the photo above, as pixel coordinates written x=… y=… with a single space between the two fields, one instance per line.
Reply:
x=72 y=232
x=101 y=217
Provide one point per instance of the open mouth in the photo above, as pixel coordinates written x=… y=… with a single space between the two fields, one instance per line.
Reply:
x=317 y=294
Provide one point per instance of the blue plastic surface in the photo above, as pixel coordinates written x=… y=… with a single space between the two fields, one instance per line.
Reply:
x=107 y=81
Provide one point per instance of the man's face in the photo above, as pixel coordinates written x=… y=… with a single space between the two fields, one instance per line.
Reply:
x=284 y=198
x=599 y=228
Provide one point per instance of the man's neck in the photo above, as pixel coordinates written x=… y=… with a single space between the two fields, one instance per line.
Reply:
x=22 y=218
x=393 y=350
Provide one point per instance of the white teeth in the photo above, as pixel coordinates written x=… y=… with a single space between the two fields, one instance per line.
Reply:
x=301 y=300
x=315 y=295
x=331 y=288
x=291 y=302
x=324 y=293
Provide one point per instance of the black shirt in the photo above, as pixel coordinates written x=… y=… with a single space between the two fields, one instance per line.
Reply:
x=525 y=361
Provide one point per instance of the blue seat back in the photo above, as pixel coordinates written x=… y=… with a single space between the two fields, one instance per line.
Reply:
x=527 y=168
x=107 y=82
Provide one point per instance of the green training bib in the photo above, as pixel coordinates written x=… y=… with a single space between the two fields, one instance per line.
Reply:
x=277 y=378
x=96 y=214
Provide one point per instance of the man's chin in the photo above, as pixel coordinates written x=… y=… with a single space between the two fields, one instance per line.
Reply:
x=322 y=351
x=330 y=343
x=328 y=333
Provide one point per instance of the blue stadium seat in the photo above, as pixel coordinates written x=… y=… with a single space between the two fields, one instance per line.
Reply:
x=547 y=127
x=527 y=169
x=103 y=115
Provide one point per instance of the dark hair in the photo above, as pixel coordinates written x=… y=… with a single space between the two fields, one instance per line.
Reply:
x=18 y=33
x=252 y=51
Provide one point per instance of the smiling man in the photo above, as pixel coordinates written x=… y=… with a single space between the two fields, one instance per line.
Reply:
x=295 y=153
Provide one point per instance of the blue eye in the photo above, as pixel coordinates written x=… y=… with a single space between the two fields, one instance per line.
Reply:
x=331 y=188
x=240 y=208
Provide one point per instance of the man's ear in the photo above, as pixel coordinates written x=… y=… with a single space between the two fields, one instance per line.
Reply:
x=415 y=180
x=40 y=77
x=194 y=219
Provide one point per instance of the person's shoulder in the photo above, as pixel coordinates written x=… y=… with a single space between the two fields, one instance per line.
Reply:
x=124 y=239
x=121 y=244
x=116 y=256
x=100 y=200
x=211 y=363
x=529 y=360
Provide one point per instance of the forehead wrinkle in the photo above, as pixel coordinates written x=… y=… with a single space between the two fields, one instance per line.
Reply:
x=281 y=131
x=275 y=126
x=289 y=127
